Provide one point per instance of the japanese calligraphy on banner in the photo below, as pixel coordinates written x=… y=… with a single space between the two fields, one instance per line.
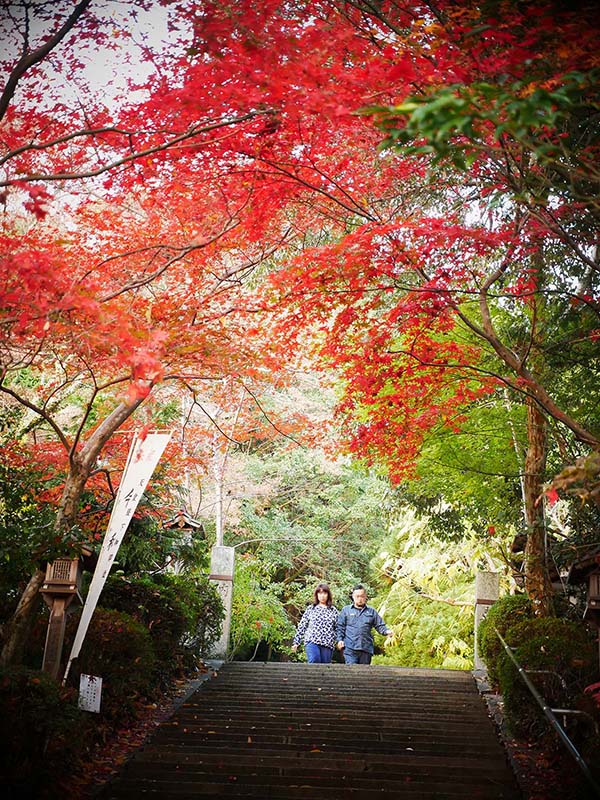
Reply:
x=143 y=457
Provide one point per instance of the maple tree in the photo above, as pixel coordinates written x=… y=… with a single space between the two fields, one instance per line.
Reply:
x=134 y=222
x=111 y=290
x=507 y=134
x=131 y=227
x=521 y=124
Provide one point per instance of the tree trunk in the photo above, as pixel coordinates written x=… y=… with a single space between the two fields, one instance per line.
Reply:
x=19 y=627
x=537 y=578
x=17 y=631
x=68 y=510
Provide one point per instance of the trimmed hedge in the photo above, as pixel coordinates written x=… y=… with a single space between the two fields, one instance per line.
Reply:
x=182 y=614
x=563 y=650
x=172 y=619
x=506 y=612
x=559 y=646
x=119 y=650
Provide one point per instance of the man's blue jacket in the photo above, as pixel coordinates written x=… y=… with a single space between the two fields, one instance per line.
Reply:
x=354 y=627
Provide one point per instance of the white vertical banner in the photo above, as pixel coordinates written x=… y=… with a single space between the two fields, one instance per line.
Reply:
x=143 y=457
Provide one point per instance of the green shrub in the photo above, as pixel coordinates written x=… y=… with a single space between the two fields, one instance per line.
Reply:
x=436 y=636
x=202 y=596
x=507 y=612
x=260 y=627
x=561 y=647
x=40 y=730
x=181 y=613
x=118 y=649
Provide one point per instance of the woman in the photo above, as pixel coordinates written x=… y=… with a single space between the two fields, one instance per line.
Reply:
x=317 y=626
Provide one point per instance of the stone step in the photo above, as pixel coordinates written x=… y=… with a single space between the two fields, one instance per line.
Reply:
x=175 y=787
x=394 y=692
x=273 y=771
x=337 y=747
x=419 y=687
x=267 y=675
x=275 y=760
x=323 y=779
x=295 y=722
x=416 y=731
x=285 y=668
x=336 y=704
x=239 y=732
x=338 y=699
x=234 y=727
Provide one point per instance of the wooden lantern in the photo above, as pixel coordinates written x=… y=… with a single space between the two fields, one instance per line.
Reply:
x=592 y=606
x=61 y=586
x=63 y=577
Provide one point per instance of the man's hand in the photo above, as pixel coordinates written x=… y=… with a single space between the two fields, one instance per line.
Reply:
x=340 y=645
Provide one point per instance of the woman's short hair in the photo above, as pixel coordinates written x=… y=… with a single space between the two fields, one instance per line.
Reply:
x=322 y=587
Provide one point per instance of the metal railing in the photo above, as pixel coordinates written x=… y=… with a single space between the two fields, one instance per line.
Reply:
x=550 y=714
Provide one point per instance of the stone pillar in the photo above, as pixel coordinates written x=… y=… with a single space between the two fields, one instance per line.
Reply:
x=487 y=589
x=222 y=561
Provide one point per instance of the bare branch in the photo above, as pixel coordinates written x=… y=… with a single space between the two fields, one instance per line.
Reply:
x=41 y=412
x=29 y=59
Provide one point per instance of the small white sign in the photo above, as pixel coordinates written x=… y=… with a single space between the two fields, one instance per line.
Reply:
x=90 y=690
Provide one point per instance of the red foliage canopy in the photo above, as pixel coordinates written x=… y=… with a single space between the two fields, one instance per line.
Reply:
x=144 y=215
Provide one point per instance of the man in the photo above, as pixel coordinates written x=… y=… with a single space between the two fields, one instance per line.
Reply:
x=354 y=627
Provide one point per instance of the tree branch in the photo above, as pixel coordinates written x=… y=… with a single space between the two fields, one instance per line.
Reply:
x=41 y=412
x=28 y=60
x=169 y=145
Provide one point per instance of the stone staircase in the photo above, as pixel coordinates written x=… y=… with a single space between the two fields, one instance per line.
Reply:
x=285 y=731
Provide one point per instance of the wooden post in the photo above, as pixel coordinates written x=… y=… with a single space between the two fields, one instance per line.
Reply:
x=55 y=636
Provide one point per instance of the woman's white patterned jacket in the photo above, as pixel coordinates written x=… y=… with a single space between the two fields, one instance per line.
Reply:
x=317 y=625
